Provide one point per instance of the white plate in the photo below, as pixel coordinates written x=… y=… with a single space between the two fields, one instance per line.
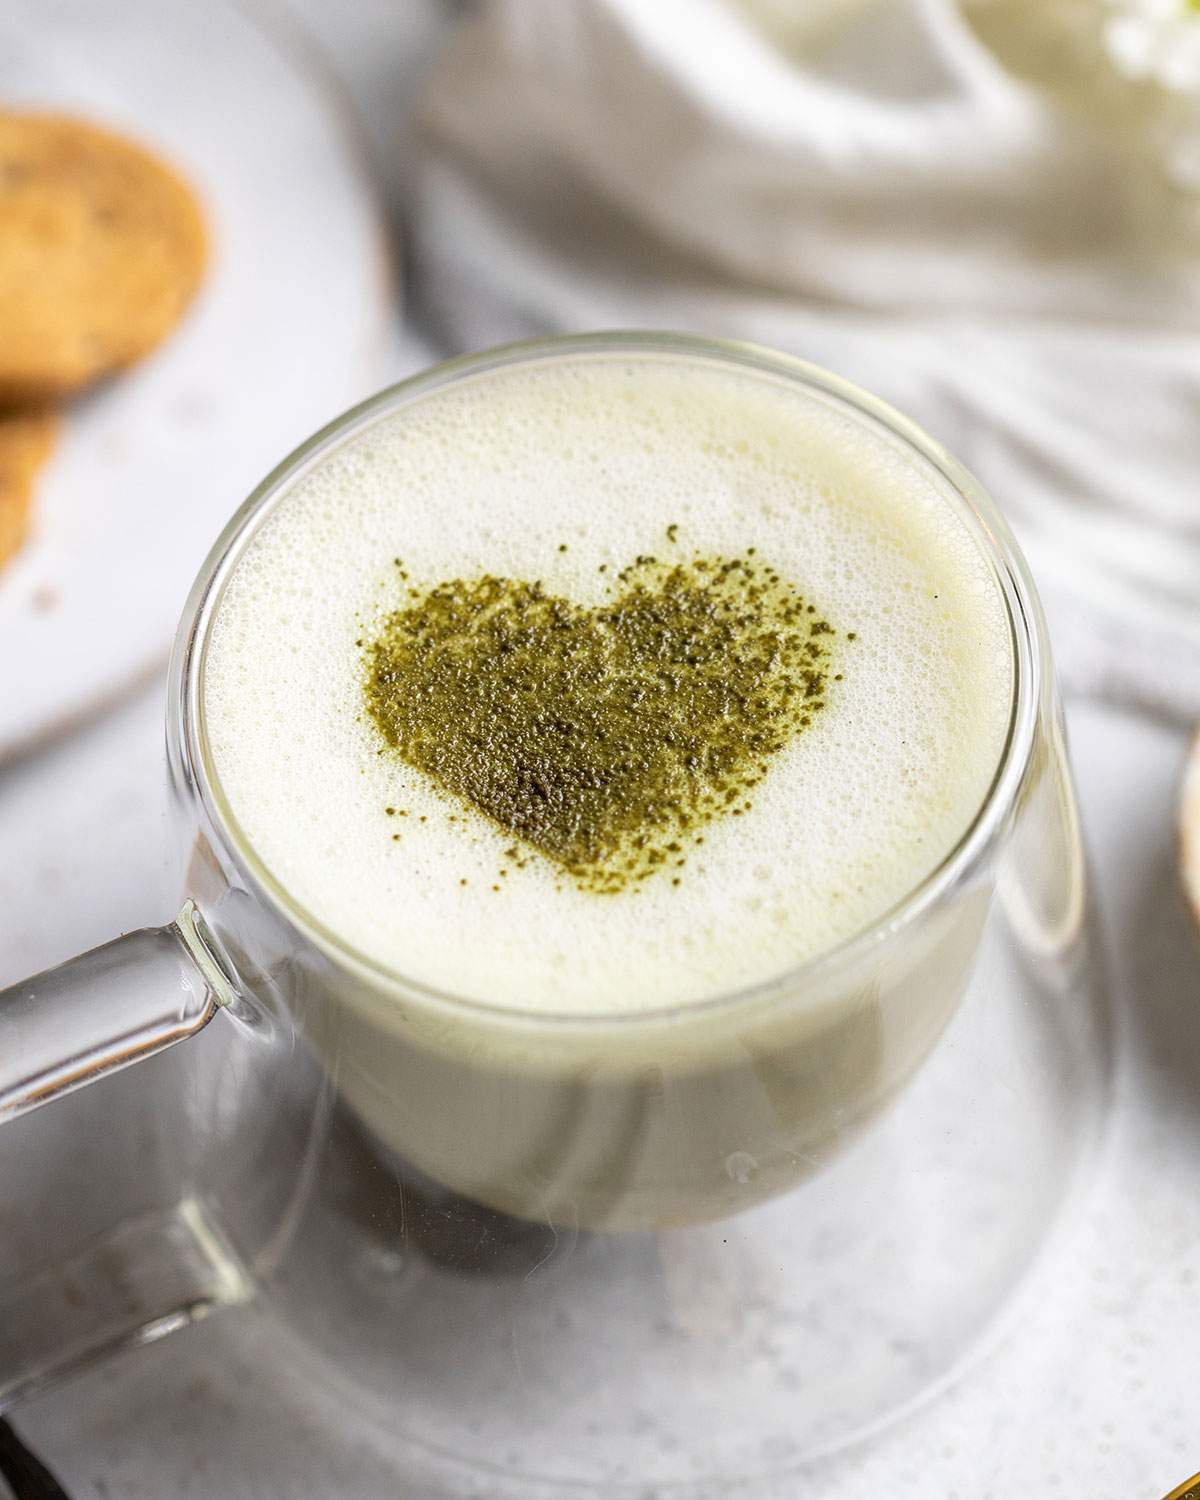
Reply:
x=291 y=325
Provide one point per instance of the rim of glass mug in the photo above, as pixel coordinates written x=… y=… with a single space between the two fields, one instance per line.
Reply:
x=192 y=761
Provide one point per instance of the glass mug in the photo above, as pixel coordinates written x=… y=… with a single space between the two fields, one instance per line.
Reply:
x=586 y=1187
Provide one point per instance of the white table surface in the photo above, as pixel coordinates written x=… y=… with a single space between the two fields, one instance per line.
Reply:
x=1095 y=1393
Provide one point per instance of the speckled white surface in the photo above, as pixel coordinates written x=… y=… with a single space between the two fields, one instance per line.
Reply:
x=1094 y=1393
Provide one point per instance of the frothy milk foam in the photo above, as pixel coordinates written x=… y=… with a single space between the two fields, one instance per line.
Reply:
x=494 y=475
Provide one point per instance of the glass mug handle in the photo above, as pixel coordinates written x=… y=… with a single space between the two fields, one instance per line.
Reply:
x=150 y=1274
x=107 y=1008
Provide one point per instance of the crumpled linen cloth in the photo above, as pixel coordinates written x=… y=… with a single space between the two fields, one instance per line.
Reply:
x=861 y=183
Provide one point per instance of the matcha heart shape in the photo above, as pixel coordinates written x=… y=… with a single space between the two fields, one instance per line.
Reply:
x=606 y=736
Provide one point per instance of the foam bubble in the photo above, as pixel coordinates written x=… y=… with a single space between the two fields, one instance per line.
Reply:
x=603 y=454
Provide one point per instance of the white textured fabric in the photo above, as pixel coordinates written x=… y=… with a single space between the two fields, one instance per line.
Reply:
x=861 y=183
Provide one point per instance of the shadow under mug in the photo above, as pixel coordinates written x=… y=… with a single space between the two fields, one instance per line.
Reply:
x=644 y=1123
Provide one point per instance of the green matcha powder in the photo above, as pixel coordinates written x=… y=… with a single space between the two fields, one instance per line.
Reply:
x=605 y=738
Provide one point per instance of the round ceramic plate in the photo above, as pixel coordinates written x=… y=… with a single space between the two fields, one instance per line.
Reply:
x=291 y=325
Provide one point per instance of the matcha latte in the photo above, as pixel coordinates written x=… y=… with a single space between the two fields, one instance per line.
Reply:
x=602 y=685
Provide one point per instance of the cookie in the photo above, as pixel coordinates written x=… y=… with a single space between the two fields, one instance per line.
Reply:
x=26 y=439
x=101 y=249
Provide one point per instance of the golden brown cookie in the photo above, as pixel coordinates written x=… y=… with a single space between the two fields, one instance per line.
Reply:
x=26 y=439
x=101 y=249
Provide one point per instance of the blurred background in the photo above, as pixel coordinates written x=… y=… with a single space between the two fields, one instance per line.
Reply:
x=985 y=211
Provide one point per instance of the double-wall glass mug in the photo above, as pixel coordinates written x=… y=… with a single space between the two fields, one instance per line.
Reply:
x=719 y=1239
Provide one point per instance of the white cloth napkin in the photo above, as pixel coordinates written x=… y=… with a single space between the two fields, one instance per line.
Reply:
x=861 y=183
